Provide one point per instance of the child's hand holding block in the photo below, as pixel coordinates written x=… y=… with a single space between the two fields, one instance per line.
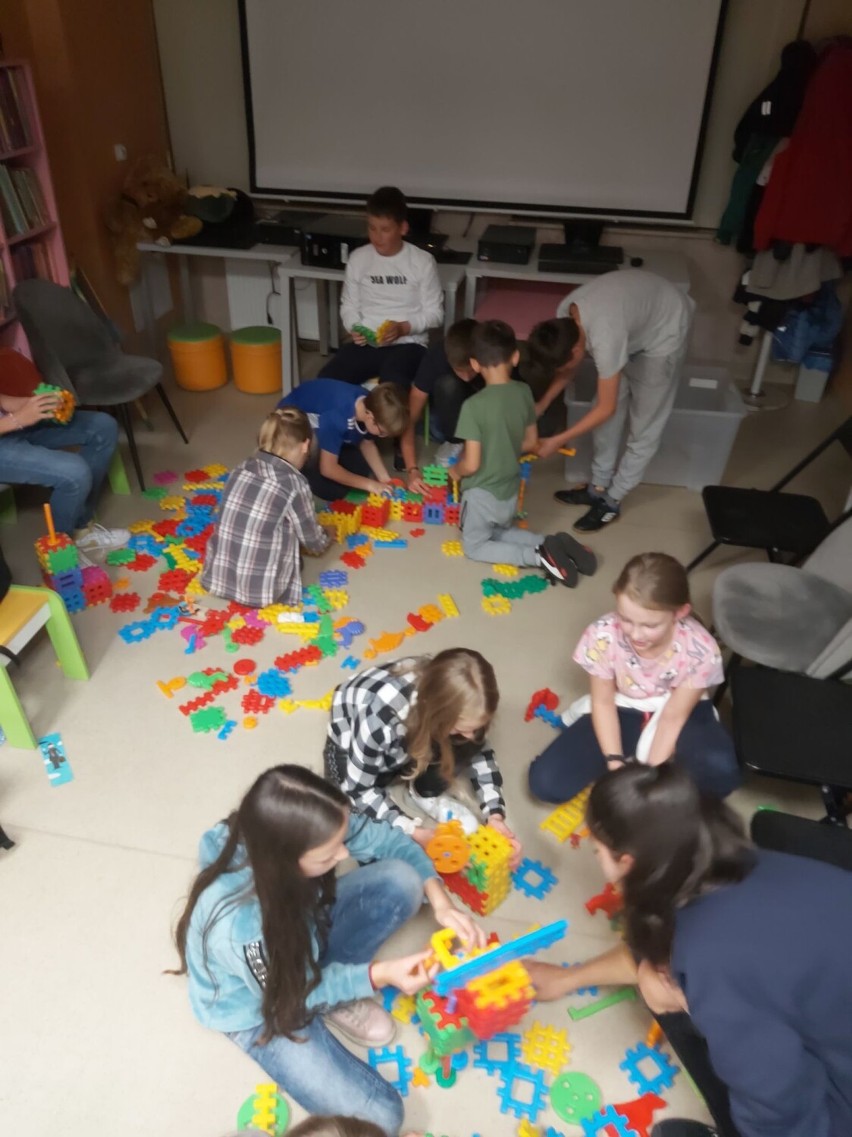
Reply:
x=65 y=405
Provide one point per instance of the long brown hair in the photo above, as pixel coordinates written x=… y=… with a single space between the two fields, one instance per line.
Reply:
x=683 y=844
x=337 y=1126
x=456 y=683
x=287 y=812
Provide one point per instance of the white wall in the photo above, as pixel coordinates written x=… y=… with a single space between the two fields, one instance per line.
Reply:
x=200 y=54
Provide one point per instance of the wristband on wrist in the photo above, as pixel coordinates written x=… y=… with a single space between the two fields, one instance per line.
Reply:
x=370 y=976
x=616 y=758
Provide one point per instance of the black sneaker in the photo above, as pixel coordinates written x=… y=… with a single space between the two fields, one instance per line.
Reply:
x=556 y=563
x=579 y=495
x=581 y=555
x=599 y=515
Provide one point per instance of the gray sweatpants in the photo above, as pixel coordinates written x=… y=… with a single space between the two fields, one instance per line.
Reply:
x=646 y=395
x=489 y=533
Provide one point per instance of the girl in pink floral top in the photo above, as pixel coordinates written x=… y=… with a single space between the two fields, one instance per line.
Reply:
x=650 y=663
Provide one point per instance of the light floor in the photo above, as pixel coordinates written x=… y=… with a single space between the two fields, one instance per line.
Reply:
x=96 y=1038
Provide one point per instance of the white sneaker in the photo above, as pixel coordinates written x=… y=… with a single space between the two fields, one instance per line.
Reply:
x=95 y=538
x=364 y=1022
x=444 y=807
x=448 y=453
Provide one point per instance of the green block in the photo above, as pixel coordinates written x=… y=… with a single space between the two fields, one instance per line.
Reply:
x=60 y=560
x=208 y=718
x=169 y=559
x=368 y=334
x=326 y=646
x=230 y=646
x=357 y=496
x=205 y=682
x=120 y=556
x=155 y=493
x=443 y=1040
x=477 y=873
x=282 y=1114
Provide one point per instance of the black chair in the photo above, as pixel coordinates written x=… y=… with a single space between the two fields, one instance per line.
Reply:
x=787 y=526
x=73 y=348
x=796 y=728
x=785 y=833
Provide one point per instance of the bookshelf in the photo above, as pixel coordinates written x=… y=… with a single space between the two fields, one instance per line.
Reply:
x=30 y=236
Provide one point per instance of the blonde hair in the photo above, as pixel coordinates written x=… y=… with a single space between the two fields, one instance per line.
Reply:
x=336 y=1126
x=456 y=684
x=283 y=431
x=654 y=580
x=388 y=404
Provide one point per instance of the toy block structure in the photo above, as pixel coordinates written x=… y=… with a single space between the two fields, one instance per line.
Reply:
x=433 y=513
x=475 y=868
x=375 y=513
x=568 y=818
x=412 y=511
x=66 y=406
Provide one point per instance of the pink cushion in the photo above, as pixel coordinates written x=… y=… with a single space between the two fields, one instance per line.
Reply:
x=522 y=304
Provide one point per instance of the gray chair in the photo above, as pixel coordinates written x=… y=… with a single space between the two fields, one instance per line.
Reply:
x=73 y=348
x=792 y=619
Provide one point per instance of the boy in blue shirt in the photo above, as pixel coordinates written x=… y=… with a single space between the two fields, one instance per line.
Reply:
x=498 y=426
x=346 y=421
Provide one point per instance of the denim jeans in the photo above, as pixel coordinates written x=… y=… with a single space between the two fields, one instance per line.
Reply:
x=574 y=759
x=318 y=1071
x=36 y=456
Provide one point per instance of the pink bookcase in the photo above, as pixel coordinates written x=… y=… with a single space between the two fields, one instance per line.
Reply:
x=38 y=250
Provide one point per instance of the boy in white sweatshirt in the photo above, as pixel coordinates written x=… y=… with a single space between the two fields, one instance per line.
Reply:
x=392 y=283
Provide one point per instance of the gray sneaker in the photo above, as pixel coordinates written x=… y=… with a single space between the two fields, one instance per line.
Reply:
x=363 y=1022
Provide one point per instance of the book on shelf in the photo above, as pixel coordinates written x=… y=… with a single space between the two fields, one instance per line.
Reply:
x=26 y=184
x=13 y=109
x=14 y=219
x=37 y=194
x=31 y=261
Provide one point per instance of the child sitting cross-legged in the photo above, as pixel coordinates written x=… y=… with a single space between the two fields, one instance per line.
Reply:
x=266 y=515
x=423 y=719
x=498 y=426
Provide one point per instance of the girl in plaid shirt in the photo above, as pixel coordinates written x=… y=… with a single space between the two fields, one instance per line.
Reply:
x=266 y=515
x=423 y=719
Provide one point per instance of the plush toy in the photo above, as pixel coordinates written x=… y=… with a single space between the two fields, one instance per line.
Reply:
x=150 y=208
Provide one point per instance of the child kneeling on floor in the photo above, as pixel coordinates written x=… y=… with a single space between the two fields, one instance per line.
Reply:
x=277 y=947
x=266 y=515
x=498 y=425
x=424 y=719
x=650 y=664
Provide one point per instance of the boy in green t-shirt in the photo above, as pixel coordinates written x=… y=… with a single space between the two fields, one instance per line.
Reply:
x=498 y=425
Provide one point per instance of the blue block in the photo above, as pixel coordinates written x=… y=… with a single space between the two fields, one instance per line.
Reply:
x=655 y=1083
x=334 y=578
x=138 y=631
x=68 y=579
x=511 y=1076
x=74 y=599
x=274 y=683
x=537 y=889
x=355 y=540
x=397 y=543
x=483 y=1058
x=433 y=514
x=351 y=662
x=402 y=1080
x=518 y=948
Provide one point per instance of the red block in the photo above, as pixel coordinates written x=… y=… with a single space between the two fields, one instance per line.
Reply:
x=452 y=514
x=166 y=528
x=353 y=560
x=175 y=580
x=416 y=532
x=254 y=703
x=214 y=622
x=608 y=901
x=459 y=884
x=247 y=635
x=197 y=704
x=543 y=698
x=204 y=499
x=143 y=562
x=196 y=476
x=375 y=516
x=639 y=1114
x=417 y=622
x=293 y=660
x=437 y=495
x=125 y=602
x=341 y=506
x=485 y=1022
x=412 y=511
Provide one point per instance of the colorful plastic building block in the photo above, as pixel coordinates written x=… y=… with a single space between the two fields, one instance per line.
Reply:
x=65 y=407
x=550 y=717
x=125 y=602
x=546 y=1048
x=448 y=605
x=506 y=570
x=490 y=854
x=527 y=944
x=208 y=719
x=620 y=995
x=486 y=1056
x=655 y=1034
x=519 y=1074
x=639 y=1113
x=649 y=1084
x=608 y=900
x=546 y=698
x=496 y=605
x=333 y=578
x=537 y=889
x=567 y=818
x=274 y=683
x=401 y=1078
x=452 y=549
x=226 y=731
x=266 y=1110
x=448 y=849
x=606 y=1122
x=433 y=513
x=574 y=1097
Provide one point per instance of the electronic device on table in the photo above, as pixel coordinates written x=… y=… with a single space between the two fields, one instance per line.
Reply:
x=506 y=244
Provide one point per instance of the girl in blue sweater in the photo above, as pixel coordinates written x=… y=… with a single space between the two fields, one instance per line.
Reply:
x=752 y=946
x=275 y=946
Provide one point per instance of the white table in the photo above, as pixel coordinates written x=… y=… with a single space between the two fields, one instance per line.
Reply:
x=671 y=266
x=285 y=263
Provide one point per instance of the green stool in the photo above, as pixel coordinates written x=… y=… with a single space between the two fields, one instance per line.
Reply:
x=23 y=613
x=8 y=511
x=198 y=357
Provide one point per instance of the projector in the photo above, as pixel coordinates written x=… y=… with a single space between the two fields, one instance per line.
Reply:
x=506 y=244
x=328 y=242
x=285 y=227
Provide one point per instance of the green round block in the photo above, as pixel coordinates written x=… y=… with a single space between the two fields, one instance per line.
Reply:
x=259 y=336
x=575 y=1097
x=282 y=1114
x=194 y=333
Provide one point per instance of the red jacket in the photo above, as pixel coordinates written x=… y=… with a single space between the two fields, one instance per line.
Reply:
x=809 y=195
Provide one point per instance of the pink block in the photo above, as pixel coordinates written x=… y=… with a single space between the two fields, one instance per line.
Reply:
x=165 y=477
x=522 y=304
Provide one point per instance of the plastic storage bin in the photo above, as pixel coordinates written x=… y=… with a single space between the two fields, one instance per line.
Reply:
x=698 y=437
x=256 y=360
x=198 y=357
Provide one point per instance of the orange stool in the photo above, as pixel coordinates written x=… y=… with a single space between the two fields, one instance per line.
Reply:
x=198 y=357
x=256 y=360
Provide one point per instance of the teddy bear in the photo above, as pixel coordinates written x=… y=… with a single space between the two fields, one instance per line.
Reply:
x=150 y=208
